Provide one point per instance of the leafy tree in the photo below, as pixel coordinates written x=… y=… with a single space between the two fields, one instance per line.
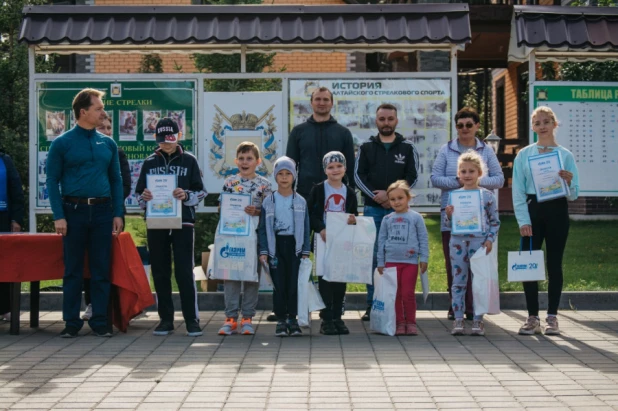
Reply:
x=14 y=97
x=151 y=63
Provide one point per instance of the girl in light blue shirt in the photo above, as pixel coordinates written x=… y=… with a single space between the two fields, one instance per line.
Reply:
x=543 y=221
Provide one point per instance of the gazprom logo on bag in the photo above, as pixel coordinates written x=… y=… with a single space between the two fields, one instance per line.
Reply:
x=529 y=266
x=232 y=252
x=378 y=305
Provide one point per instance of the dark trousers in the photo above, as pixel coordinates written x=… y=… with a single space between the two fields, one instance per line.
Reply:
x=89 y=228
x=160 y=244
x=446 y=239
x=87 y=292
x=285 y=278
x=333 y=295
x=550 y=223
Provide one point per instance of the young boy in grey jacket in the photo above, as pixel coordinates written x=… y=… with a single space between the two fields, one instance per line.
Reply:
x=283 y=236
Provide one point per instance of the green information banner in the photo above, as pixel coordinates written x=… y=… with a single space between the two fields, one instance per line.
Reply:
x=134 y=108
x=587 y=114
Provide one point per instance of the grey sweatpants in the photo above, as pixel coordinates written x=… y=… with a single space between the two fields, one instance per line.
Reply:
x=232 y=298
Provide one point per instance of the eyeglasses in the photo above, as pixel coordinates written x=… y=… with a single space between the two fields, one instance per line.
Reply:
x=462 y=125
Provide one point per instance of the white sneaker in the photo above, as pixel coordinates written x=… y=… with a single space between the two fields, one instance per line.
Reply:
x=88 y=313
x=478 y=328
x=6 y=316
x=458 y=327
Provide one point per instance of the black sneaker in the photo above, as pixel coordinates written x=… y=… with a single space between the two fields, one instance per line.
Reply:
x=282 y=329
x=328 y=328
x=294 y=328
x=193 y=329
x=272 y=317
x=102 y=332
x=367 y=315
x=342 y=329
x=69 y=332
x=164 y=328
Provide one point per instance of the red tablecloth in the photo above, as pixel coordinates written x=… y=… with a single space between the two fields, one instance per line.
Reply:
x=39 y=257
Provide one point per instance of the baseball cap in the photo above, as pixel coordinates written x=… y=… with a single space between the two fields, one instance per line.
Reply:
x=166 y=131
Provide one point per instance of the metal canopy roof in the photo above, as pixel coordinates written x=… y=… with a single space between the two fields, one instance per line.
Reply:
x=207 y=29
x=561 y=33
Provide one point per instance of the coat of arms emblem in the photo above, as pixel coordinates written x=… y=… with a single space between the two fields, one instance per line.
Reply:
x=230 y=130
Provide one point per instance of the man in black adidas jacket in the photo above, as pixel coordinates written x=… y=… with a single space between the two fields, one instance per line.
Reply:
x=381 y=161
x=310 y=141
x=170 y=158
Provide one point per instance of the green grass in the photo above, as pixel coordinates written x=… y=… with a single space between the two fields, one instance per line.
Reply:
x=590 y=258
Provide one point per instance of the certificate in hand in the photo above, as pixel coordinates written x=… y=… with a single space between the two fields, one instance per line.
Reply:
x=163 y=211
x=548 y=184
x=234 y=220
x=467 y=211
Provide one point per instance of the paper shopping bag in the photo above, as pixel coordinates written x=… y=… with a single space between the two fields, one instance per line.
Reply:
x=526 y=265
x=485 y=284
x=349 y=249
x=383 y=319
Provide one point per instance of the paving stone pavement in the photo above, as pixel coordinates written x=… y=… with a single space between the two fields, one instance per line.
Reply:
x=138 y=371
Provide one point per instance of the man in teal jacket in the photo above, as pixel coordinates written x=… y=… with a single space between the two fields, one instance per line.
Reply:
x=85 y=193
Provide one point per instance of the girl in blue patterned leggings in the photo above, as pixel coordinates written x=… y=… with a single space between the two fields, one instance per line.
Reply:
x=463 y=246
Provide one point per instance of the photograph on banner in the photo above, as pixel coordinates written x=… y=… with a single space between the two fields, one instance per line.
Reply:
x=151 y=118
x=136 y=167
x=232 y=118
x=127 y=125
x=587 y=114
x=129 y=107
x=54 y=124
x=42 y=193
x=179 y=117
x=423 y=111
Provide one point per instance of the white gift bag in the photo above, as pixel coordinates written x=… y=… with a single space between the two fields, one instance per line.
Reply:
x=319 y=254
x=235 y=257
x=526 y=265
x=425 y=285
x=485 y=283
x=349 y=249
x=266 y=280
x=383 y=318
x=309 y=298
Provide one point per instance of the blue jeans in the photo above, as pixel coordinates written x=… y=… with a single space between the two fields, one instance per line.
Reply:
x=377 y=213
x=89 y=229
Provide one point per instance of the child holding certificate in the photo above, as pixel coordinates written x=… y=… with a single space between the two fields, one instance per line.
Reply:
x=170 y=158
x=403 y=243
x=475 y=223
x=247 y=181
x=284 y=240
x=331 y=196
x=544 y=219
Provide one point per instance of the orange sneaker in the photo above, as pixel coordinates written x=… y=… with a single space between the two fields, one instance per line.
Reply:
x=229 y=327
x=411 y=329
x=246 y=327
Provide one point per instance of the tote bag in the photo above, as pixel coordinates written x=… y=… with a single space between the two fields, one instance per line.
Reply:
x=526 y=265
x=349 y=249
